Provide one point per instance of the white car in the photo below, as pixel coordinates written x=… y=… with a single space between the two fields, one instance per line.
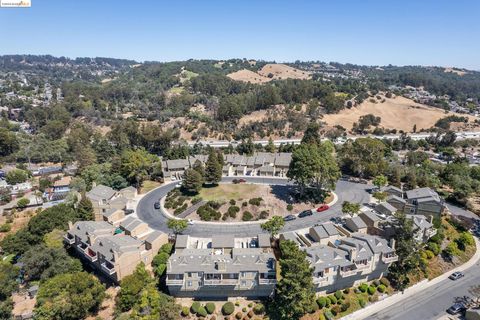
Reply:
x=190 y=221
x=178 y=185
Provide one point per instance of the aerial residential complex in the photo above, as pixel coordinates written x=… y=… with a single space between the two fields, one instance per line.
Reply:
x=222 y=266
x=259 y=164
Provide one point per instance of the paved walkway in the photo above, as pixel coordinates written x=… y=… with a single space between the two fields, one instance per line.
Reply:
x=413 y=291
x=191 y=209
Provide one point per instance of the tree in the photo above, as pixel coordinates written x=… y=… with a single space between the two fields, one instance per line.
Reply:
x=273 y=225
x=131 y=287
x=136 y=165
x=177 y=225
x=294 y=292
x=407 y=250
x=16 y=176
x=8 y=142
x=213 y=168
x=380 y=181
x=364 y=157
x=69 y=296
x=200 y=168
x=152 y=305
x=23 y=203
x=314 y=166
x=85 y=208
x=192 y=181
x=270 y=147
x=42 y=263
x=350 y=208
x=312 y=134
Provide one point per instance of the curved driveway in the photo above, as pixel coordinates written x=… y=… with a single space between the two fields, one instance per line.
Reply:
x=157 y=219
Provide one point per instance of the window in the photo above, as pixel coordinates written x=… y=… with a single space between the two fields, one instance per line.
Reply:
x=189 y=283
x=189 y=274
x=243 y=283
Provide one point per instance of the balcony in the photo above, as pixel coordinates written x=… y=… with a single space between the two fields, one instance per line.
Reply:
x=348 y=273
x=220 y=282
x=91 y=255
x=108 y=267
x=267 y=281
x=390 y=258
x=174 y=282
x=320 y=280
x=69 y=239
x=362 y=266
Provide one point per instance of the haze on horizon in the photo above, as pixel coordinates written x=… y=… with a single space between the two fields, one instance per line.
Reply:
x=374 y=32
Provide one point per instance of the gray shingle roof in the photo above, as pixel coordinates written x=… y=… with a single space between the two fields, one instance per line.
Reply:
x=385 y=206
x=101 y=192
x=323 y=256
x=358 y=222
x=119 y=244
x=154 y=236
x=223 y=241
x=182 y=241
x=82 y=229
x=130 y=223
x=422 y=193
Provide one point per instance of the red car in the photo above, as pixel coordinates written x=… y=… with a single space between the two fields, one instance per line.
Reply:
x=242 y=180
x=323 y=207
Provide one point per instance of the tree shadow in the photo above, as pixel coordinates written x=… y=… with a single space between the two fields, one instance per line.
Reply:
x=291 y=194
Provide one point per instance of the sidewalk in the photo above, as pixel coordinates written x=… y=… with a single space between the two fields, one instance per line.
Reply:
x=415 y=289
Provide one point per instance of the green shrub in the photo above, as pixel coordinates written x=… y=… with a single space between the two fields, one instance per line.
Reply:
x=239 y=315
x=5 y=227
x=228 y=308
x=247 y=216
x=263 y=215
x=338 y=295
x=381 y=288
x=321 y=317
x=333 y=299
x=465 y=239
x=250 y=305
x=429 y=254
x=327 y=302
x=363 y=287
x=328 y=315
x=289 y=207
x=385 y=282
x=322 y=302
x=259 y=308
x=376 y=283
x=195 y=306
x=244 y=204
x=250 y=314
x=202 y=312
x=232 y=211
x=346 y=291
x=361 y=302
x=233 y=202
x=244 y=309
x=196 y=200
x=255 y=201
x=372 y=290
x=237 y=303
x=210 y=307
x=434 y=247
x=345 y=306
x=336 y=310
x=185 y=311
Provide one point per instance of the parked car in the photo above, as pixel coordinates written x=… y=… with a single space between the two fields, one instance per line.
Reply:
x=242 y=180
x=305 y=213
x=323 y=207
x=337 y=220
x=290 y=217
x=456 y=275
x=190 y=222
x=156 y=205
x=456 y=308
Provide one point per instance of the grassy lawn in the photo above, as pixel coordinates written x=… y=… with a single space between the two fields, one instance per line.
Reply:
x=149 y=185
x=225 y=192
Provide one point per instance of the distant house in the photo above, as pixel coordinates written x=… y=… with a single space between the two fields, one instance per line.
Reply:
x=420 y=201
x=324 y=233
x=60 y=189
x=386 y=208
x=104 y=198
x=356 y=224
x=392 y=190
x=423 y=227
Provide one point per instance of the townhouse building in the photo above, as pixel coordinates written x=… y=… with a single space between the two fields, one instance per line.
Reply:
x=419 y=201
x=104 y=199
x=221 y=266
x=109 y=250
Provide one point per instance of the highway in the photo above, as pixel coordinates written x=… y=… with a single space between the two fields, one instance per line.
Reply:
x=414 y=136
x=157 y=219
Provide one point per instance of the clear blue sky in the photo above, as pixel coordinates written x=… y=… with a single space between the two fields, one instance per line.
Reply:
x=373 y=32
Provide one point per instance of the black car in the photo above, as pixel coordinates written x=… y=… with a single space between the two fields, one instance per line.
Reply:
x=305 y=213
x=156 y=205
x=290 y=217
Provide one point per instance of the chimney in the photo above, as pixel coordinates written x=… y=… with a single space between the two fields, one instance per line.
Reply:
x=353 y=254
x=70 y=225
x=430 y=219
x=392 y=243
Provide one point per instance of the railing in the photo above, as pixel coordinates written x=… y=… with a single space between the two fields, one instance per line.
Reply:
x=91 y=257
x=390 y=259
x=174 y=282
x=220 y=282
x=348 y=273
x=69 y=240
x=267 y=281
x=362 y=266
x=109 y=270
x=319 y=280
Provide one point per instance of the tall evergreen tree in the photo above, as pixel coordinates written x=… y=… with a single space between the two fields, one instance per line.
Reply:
x=85 y=209
x=295 y=291
x=192 y=181
x=213 y=169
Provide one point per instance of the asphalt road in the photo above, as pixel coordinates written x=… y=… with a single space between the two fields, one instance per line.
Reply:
x=157 y=219
x=433 y=302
